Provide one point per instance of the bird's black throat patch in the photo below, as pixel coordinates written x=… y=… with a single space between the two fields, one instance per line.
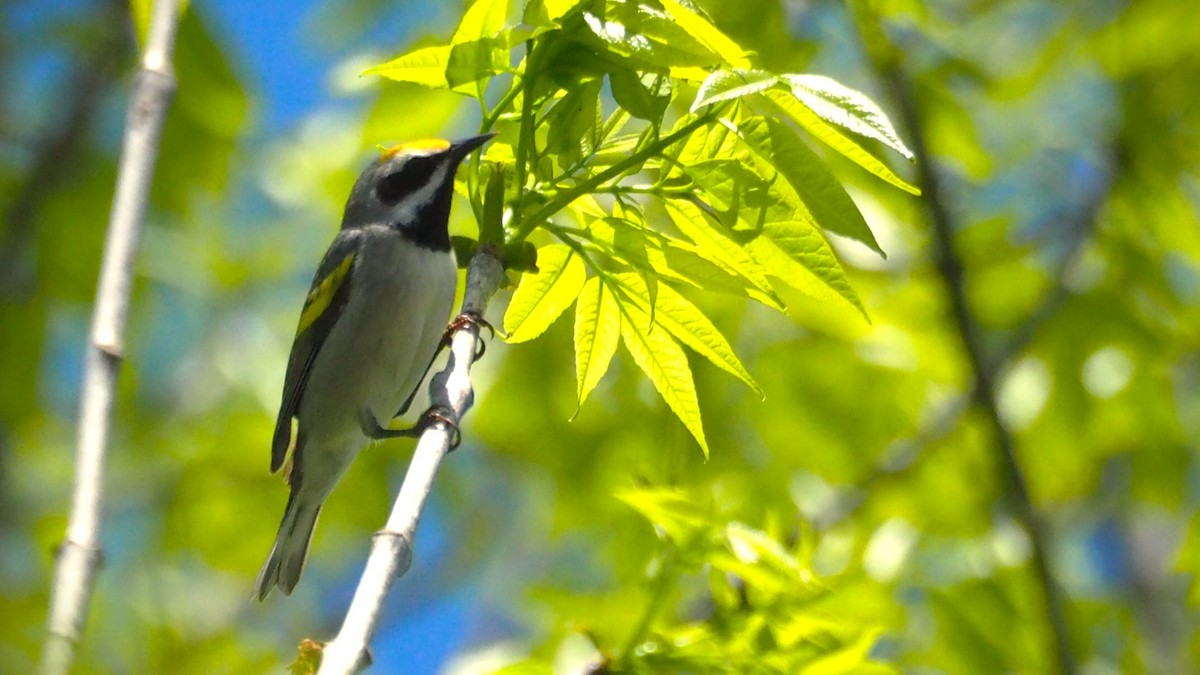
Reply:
x=430 y=229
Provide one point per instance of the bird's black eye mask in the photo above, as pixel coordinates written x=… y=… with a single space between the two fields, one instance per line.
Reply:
x=409 y=178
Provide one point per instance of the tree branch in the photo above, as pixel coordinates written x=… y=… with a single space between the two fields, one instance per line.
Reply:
x=79 y=556
x=391 y=550
x=884 y=58
x=904 y=454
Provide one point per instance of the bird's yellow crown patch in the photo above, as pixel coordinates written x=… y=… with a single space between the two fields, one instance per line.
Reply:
x=419 y=145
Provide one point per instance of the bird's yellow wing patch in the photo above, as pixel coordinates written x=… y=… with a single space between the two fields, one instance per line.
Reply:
x=322 y=294
x=419 y=145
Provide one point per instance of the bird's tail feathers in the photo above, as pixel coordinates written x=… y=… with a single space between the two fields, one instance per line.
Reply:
x=286 y=561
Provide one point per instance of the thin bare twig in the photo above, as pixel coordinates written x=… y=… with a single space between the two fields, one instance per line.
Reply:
x=884 y=58
x=79 y=556
x=391 y=550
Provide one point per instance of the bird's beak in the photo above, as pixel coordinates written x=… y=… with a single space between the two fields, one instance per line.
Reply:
x=460 y=149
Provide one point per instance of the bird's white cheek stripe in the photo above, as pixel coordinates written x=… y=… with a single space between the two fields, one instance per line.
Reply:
x=408 y=208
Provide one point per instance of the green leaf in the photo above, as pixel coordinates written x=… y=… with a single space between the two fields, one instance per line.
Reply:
x=774 y=226
x=797 y=255
x=648 y=36
x=643 y=95
x=597 y=332
x=666 y=365
x=615 y=150
x=776 y=145
x=755 y=547
x=476 y=51
x=730 y=185
x=845 y=660
x=683 y=263
x=619 y=238
x=686 y=322
x=806 y=118
x=707 y=34
x=713 y=244
x=672 y=259
x=540 y=298
x=472 y=61
x=546 y=12
x=762 y=563
x=711 y=142
x=484 y=19
x=726 y=85
x=838 y=104
x=425 y=66
x=677 y=512
x=571 y=124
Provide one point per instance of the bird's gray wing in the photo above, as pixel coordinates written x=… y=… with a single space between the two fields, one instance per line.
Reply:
x=322 y=308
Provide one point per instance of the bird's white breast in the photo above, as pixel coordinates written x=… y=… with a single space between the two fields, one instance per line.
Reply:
x=380 y=347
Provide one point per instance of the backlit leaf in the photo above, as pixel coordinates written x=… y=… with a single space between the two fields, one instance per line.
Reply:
x=838 y=104
x=672 y=259
x=715 y=244
x=711 y=142
x=540 y=298
x=666 y=365
x=646 y=35
x=425 y=66
x=472 y=61
x=775 y=144
x=726 y=85
x=679 y=513
x=643 y=95
x=686 y=322
x=813 y=124
x=484 y=19
x=707 y=34
x=846 y=660
x=798 y=256
x=597 y=332
x=546 y=12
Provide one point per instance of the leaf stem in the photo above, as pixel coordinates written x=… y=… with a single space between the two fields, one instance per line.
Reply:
x=525 y=141
x=492 y=117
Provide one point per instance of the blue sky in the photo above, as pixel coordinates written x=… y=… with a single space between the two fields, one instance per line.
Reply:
x=286 y=50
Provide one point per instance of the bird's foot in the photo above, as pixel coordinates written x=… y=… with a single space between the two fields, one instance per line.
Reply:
x=434 y=415
x=469 y=319
x=444 y=415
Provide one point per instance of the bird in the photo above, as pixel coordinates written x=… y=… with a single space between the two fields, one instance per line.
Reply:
x=370 y=328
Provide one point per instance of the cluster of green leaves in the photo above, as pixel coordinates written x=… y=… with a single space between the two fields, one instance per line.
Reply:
x=638 y=140
x=766 y=602
x=724 y=597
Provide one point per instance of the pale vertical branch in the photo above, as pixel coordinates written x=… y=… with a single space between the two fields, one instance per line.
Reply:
x=391 y=550
x=885 y=60
x=79 y=556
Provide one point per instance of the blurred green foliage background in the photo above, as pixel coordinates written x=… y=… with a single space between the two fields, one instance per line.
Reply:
x=1067 y=136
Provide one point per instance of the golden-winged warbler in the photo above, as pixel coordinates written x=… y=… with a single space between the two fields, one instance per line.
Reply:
x=368 y=332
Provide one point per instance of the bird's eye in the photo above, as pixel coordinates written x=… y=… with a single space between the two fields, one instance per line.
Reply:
x=404 y=181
